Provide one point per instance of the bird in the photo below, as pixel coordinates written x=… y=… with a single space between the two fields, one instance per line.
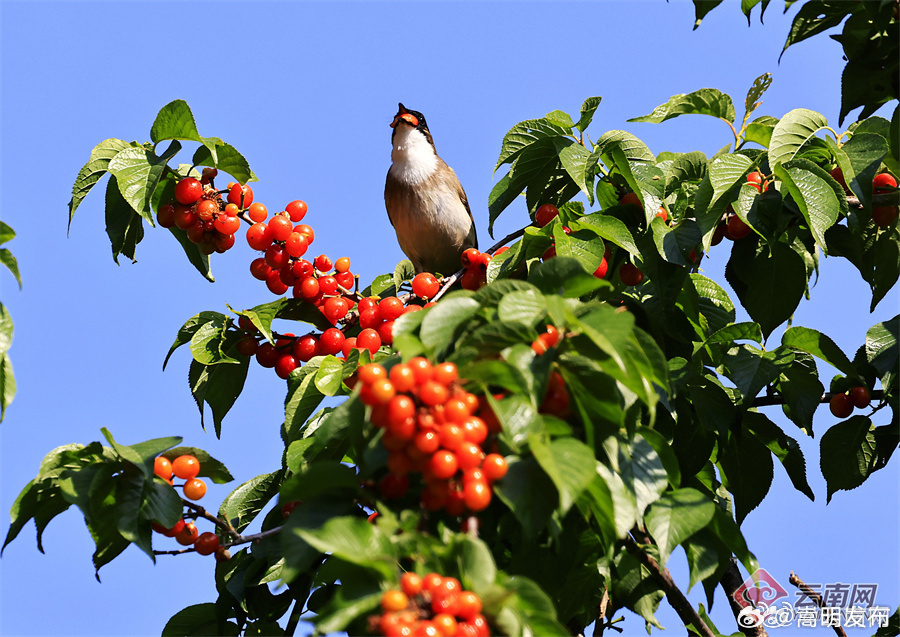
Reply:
x=425 y=202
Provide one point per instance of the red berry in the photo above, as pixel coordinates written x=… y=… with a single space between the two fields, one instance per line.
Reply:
x=473 y=279
x=285 y=364
x=345 y=279
x=838 y=175
x=630 y=199
x=240 y=195
x=545 y=214
x=368 y=339
x=187 y=535
x=331 y=341
x=280 y=227
x=267 y=355
x=305 y=348
x=247 y=346
x=390 y=308
x=258 y=236
x=307 y=230
x=227 y=225
x=207 y=543
x=288 y=507
x=494 y=467
x=443 y=464
x=754 y=178
x=328 y=284
x=860 y=396
x=257 y=212
x=275 y=284
x=297 y=210
x=188 y=191
x=184 y=216
x=166 y=215
x=602 y=269
x=411 y=583
x=884 y=216
x=206 y=209
x=470 y=257
x=309 y=287
x=393 y=487
x=425 y=285
x=736 y=228
x=630 y=274
x=386 y=332
x=883 y=182
x=336 y=308
x=186 y=467
x=841 y=405
x=662 y=214
x=323 y=263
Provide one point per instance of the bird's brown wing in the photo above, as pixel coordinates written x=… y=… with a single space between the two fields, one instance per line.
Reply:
x=472 y=239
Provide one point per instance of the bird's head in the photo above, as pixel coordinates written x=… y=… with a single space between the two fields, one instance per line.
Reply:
x=406 y=121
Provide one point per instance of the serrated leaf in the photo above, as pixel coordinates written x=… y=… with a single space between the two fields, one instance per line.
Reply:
x=138 y=171
x=191 y=326
x=175 y=121
x=524 y=135
x=123 y=225
x=675 y=517
x=817 y=195
x=752 y=369
x=814 y=17
x=783 y=447
x=588 y=108
x=560 y=118
x=609 y=229
x=523 y=306
x=791 y=132
x=760 y=130
x=227 y=159
x=242 y=505
x=847 y=454
x=760 y=84
x=529 y=493
x=93 y=170
x=819 y=345
x=747 y=471
x=439 y=325
x=706 y=101
x=569 y=463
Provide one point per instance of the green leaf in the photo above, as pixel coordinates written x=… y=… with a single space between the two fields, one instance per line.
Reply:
x=817 y=195
x=753 y=369
x=191 y=327
x=529 y=493
x=403 y=271
x=701 y=8
x=847 y=454
x=755 y=272
x=706 y=101
x=7 y=259
x=242 y=505
x=523 y=306
x=208 y=341
x=675 y=517
x=791 y=132
x=814 y=17
x=569 y=463
x=138 y=171
x=303 y=397
x=524 y=136
x=760 y=130
x=476 y=564
x=565 y=276
x=882 y=350
x=440 y=324
x=199 y=260
x=123 y=225
x=635 y=587
x=759 y=86
x=588 y=108
x=559 y=118
x=354 y=540
x=226 y=159
x=336 y=427
x=633 y=148
x=609 y=229
x=724 y=528
x=819 y=345
x=685 y=168
x=747 y=471
x=783 y=446
x=802 y=391
x=93 y=170
x=175 y=121
x=7 y=384
x=325 y=478
x=199 y=620
x=330 y=375
x=218 y=386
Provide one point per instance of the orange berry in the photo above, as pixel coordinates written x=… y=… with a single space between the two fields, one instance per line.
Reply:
x=445 y=373
x=368 y=374
x=194 y=489
x=411 y=583
x=393 y=601
x=162 y=467
x=186 y=467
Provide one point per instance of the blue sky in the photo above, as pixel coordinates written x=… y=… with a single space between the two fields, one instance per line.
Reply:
x=306 y=92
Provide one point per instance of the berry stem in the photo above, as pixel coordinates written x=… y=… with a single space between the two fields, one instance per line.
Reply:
x=219 y=522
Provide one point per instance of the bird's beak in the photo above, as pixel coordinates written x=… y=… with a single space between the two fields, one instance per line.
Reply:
x=407 y=117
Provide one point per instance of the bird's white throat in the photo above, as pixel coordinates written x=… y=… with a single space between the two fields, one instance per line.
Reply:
x=413 y=158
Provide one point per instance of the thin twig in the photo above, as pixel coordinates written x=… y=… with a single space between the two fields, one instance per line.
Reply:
x=244 y=539
x=179 y=552
x=219 y=522
x=673 y=594
x=799 y=583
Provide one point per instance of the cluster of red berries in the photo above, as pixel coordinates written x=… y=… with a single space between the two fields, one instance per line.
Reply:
x=842 y=404
x=430 y=606
x=187 y=467
x=375 y=317
x=434 y=427
x=199 y=209
x=475 y=264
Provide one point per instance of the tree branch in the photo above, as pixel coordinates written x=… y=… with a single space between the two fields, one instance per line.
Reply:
x=778 y=399
x=799 y=583
x=673 y=594
x=883 y=199
x=219 y=522
x=730 y=582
